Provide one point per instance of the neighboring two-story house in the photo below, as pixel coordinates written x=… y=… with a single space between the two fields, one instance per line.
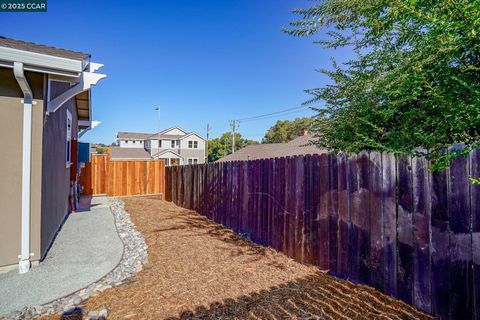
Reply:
x=174 y=145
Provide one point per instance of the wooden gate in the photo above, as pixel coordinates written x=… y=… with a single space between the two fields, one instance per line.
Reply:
x=104 y=176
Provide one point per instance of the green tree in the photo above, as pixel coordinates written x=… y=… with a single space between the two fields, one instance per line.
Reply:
x=286 y=130
x=220 y=147
x=101 y=150
x=415 y=79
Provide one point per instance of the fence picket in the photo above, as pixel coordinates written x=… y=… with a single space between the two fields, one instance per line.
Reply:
x=323 y=225
x=377 y=243
x=389 y=207
x=355 y=211
x=405 y=230
x=333 y=213
x=343 y=215
x=421 y=235
x=475 y=210
x=460 y=241
x=307 y=213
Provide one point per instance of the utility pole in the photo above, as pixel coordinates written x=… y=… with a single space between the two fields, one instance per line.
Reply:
x=234 y=125
x=158 y=118
x=208 y=133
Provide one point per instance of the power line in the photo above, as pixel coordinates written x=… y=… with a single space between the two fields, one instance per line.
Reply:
x=276 y=115
x=268 y=115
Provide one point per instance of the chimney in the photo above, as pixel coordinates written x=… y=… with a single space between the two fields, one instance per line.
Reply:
x=303 y=132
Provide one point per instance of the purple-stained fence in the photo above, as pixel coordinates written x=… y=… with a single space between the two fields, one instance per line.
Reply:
x=372 y=218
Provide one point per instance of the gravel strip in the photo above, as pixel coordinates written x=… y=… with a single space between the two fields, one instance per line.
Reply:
x=133 y=259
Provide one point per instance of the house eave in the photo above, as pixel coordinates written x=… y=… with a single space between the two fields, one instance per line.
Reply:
x=161 y=153
x=44 y=63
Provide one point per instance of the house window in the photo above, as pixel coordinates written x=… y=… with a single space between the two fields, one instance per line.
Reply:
x=68 y=156
x=159 y=143
x=190 y=144
x=173 y=143
x=195 y=144
x=192 y=160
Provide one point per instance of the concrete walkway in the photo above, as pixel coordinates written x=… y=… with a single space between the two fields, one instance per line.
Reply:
x=86 y=249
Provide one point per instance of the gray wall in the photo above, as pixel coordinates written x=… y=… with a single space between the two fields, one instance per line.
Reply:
x=193 y=153
x=56 y=182
x=11 y=126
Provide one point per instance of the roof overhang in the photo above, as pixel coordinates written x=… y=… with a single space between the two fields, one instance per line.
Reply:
x=161 y=153
x=80 y=73
x=192 y=134
x=42 y=63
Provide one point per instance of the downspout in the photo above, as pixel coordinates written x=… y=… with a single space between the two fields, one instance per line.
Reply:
x=24 y=264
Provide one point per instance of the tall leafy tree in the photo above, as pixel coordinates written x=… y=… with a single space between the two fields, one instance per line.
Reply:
x=286 y=130
x=415 y=79
x=220 y=147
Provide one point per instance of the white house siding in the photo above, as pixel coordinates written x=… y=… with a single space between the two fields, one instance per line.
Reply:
x=131 y=143
x=184 y=142
x=175 y=131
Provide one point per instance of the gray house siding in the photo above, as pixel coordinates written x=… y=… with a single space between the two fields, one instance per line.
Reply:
x=193 y=153
x=56 y=182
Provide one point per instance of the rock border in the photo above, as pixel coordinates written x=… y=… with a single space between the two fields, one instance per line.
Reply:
x=134 y=257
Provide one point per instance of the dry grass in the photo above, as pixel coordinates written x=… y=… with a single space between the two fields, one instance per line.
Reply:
x=200 y=270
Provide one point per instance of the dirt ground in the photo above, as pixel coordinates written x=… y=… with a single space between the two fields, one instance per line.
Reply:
x=198 y=269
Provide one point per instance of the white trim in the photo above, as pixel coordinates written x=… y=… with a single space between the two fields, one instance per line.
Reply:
x=171 y=128
x=50 y=71
x=89 y=126
x=193 y=144
x=191 y=134
x=93 y=67
x=165 y=151
x=24 y=263
x=68 y=141
x=85 y=82
x=192 y=158
x=55 y=79
x=33 y=59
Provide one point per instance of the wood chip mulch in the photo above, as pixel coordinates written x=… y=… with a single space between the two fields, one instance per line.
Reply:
x=198 y=269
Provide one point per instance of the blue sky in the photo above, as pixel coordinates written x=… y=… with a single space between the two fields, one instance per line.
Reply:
x=200 y=61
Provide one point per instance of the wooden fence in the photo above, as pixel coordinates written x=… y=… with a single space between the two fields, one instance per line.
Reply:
x=123 y=178
x=373 y=218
